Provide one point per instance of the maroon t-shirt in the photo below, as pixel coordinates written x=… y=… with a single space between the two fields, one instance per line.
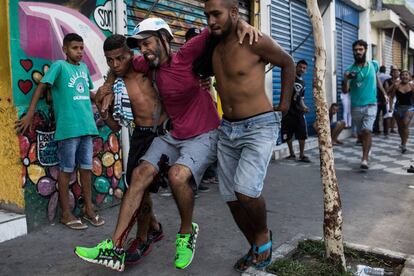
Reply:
x=190 y=108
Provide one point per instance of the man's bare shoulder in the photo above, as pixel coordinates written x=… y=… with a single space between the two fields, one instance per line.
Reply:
x=264 y=42
x=135 y=75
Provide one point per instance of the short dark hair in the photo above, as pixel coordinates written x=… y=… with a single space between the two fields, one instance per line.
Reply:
x=383 y=69
x=114 y=42
x=229 y=3
x=334 y=105
x=192 y=32
x=302 y=61
x=72 y=37
x=360 y=42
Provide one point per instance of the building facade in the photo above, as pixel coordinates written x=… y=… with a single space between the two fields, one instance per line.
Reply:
x=34 y=33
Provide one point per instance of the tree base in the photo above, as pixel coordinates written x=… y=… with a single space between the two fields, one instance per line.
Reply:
x=307 y=256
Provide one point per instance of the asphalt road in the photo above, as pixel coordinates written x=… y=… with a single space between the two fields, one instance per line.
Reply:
x=378 y=210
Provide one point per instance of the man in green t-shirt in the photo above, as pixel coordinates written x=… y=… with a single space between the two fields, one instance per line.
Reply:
x=70 y=83
x=361 y=80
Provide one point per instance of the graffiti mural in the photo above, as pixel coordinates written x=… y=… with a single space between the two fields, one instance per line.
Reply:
x=180 y=15
x=37 y=31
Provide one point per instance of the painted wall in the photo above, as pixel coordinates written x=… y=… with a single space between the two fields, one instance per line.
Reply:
x=37 y=31
x=11 y=193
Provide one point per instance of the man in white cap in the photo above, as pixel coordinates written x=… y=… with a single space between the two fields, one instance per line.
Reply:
x=190 y=146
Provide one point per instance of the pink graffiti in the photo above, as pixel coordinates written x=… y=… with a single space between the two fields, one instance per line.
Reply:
x=43 y=26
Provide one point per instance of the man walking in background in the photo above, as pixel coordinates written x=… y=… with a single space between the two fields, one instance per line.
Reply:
x=293 y=121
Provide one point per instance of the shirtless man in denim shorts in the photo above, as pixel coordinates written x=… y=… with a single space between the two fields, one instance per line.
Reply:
x=248 y=131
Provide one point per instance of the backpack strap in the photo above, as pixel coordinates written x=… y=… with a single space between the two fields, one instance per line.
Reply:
x=157 y=110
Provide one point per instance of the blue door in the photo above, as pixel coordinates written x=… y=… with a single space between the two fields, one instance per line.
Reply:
x=292 y=29
x=347 y=22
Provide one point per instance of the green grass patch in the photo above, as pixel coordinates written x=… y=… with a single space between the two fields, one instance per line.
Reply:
x=309 y=259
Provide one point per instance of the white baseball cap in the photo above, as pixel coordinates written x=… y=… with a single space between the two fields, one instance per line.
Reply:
x=146 y=28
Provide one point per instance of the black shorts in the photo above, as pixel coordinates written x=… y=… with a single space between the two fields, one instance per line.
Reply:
x=140 y=141
x=294 y=125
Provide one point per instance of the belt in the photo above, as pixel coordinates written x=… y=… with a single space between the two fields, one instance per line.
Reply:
x=161 y=129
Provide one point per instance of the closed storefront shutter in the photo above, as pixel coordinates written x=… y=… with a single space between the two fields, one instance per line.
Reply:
x=291 y=28
x=179 y=14
x=397 y=54
x=347 y=22
x=387 y=52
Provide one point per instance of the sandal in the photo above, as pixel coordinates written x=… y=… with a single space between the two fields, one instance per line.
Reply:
x=259 y=250
x=75 y=224
x=244 y=262
x=304 y=159
x=291 y=157
x=95 y=221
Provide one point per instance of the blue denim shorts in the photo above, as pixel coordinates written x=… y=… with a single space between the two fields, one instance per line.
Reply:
x=75 y=152
x=196 y=153
x=244 y=150
x=363 y=117
x=401 y=110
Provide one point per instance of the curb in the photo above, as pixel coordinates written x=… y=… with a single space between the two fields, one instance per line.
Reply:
x=287 y=248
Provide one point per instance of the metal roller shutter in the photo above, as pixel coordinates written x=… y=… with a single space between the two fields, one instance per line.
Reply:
x=387 y=52
x=397 y=54
x=292 y=29
x=179 y=14
x=347 y=21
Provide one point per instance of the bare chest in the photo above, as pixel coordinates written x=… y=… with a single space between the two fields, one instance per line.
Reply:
x=140 y=92
x=233 y=61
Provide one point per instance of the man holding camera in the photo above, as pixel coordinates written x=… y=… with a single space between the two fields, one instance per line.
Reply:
x=361 y=80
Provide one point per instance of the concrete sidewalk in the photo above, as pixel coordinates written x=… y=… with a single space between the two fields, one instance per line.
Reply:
x=378 y=209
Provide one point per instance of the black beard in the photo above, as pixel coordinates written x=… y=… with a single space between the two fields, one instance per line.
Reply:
x=227 y=29
x=360 y=59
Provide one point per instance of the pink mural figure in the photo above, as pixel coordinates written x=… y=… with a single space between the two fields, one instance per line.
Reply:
x=43 y=26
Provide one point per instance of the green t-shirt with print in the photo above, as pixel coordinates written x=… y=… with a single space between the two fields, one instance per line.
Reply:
x=363 y=88
x=71 y=99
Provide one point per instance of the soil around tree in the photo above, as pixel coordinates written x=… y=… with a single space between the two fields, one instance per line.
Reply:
x=309 y=259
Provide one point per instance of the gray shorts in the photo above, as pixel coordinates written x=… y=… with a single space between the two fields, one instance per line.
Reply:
x=196 y=153
x=244 y=151
x=363 y=117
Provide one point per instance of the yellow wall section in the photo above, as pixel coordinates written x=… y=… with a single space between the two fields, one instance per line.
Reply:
x=11 y=192
x=255 y=13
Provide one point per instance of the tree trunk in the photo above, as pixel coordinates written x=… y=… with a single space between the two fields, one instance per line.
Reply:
x=332 y=225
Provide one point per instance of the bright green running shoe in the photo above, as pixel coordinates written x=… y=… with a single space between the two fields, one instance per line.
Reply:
x=103 y=254
x=185 y=248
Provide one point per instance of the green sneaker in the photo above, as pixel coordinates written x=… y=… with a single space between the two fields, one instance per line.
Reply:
x=103 y=254
x=185 y=248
